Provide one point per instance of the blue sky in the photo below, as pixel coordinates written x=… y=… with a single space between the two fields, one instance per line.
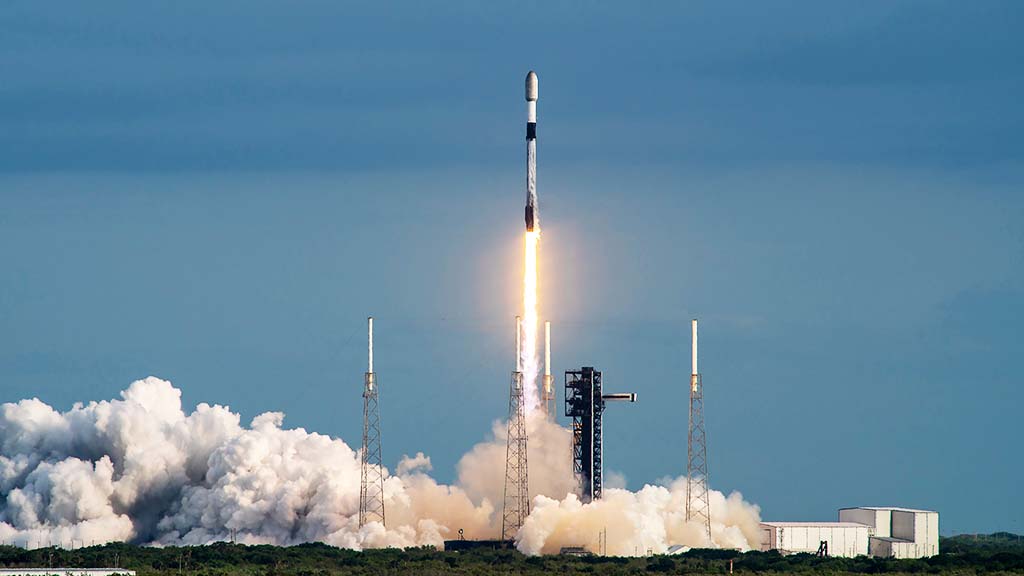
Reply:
x=220 y=194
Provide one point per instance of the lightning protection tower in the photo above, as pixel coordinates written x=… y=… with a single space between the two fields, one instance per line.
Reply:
x=698 y=508
x=517 y=494
x=547 y=397
x=371 y=487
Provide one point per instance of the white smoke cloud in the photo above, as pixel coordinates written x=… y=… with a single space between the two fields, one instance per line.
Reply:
x=651 y=519
x=140 y=469
x=418 y=462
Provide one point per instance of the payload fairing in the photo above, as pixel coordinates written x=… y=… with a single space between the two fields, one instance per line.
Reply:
x=532 y=219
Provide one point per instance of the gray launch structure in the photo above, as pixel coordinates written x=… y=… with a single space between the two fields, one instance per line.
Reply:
x=698 y=504
x=517 y=484
x=584 y=403
x=371 y=484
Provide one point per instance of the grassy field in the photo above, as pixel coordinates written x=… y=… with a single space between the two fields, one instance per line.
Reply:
x=992 y=554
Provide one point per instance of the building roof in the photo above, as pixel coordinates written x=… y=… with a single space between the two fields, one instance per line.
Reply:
x=891 y=539
x=816 y=524
x=890 y=508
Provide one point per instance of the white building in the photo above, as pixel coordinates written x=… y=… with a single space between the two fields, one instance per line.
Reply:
x=885 y=532
x=842 y=538
x=897 y=532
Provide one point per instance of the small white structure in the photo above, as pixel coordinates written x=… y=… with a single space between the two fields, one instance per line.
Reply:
x=842 y=538
x=897 y=532
x=66 y=572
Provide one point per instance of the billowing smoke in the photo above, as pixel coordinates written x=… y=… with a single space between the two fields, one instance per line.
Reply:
x=634 y=523
x=140 y=469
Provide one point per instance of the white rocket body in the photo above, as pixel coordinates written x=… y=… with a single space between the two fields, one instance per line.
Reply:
x=532 y=214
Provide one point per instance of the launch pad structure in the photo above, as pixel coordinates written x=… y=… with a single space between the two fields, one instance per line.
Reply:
x=371 y=484
x=585 y=403
x=517 y=490
x=698 y=506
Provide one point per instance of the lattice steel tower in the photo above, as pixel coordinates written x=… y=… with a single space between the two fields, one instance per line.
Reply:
x=698 y=507
x=371 y=486
x=517 y=493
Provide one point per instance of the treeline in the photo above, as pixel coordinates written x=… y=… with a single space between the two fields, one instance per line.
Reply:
x=990 y=555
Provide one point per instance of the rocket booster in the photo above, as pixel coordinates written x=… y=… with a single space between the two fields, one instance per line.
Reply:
x=531 y=152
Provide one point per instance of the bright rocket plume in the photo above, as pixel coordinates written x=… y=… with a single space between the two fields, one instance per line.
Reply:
x=528 y=353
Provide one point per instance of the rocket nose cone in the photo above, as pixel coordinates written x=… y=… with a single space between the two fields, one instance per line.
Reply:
x=531 y=86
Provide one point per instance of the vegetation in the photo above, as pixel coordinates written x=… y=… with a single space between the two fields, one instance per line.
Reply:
x=995 y=554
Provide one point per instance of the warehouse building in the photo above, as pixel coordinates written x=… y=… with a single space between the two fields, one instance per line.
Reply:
x=885 y=532
x=829 y=538
x=897 y=532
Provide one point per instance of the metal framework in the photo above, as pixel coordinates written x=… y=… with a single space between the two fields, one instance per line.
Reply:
x=517 y=490
x=698 y=507
x=517 y=495
x=371 y=485
x=585 y=404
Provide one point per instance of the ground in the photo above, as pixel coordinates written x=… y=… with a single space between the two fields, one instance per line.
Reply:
x=994 y=554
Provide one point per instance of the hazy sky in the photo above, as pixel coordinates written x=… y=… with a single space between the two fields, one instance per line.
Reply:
x=220 y=193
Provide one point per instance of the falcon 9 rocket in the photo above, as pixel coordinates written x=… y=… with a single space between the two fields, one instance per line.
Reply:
x=531 y=151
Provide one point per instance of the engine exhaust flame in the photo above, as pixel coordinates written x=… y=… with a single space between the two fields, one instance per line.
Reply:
x=528 y=353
